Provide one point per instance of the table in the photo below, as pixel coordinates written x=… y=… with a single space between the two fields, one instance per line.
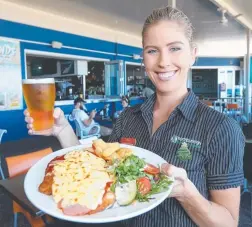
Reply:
x=248 y=140
x=14 y=187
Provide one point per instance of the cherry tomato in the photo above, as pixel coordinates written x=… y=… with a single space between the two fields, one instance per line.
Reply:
x=144 y=185
x=151 y=169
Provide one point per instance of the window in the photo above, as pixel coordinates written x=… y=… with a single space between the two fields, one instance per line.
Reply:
x=68 y=83
x=73 y=77
x=136 y=78
x=205 y=83
x=95 y=79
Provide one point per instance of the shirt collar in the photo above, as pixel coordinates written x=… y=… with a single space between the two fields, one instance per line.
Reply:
x=187 y=107
x=147 y=106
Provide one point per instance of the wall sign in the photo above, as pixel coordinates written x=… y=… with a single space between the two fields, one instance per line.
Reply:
x=222 y=86
x=10 y=75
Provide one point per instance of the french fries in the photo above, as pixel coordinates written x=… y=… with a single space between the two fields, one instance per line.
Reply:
x=110 y=151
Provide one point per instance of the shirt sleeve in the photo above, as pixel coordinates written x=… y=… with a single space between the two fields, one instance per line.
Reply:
x=83 y=116
x=117 y=129
x=225 y=167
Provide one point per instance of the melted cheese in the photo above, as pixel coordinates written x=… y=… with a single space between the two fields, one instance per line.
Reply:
x=81 y=178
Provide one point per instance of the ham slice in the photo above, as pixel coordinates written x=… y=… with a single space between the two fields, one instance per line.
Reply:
x=75 y=210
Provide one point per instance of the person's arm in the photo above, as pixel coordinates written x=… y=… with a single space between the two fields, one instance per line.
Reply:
x=221 y=211
x=116 y=134
x=224 y=173
x=67 y=137
x=88 y=120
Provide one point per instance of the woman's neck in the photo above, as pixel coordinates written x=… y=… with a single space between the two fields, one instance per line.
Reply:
x=169 y=101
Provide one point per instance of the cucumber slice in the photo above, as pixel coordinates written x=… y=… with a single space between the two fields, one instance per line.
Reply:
x=126 y=193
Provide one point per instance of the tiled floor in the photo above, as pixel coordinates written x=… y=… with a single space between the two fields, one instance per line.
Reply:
x=6 y=218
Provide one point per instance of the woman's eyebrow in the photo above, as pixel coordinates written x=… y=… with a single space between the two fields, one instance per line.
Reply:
x=168 y=44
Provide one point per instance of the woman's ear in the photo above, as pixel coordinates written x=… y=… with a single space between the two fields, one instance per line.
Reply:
x=194 y=54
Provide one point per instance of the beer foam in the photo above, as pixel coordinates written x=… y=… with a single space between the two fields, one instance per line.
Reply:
x=39 y=81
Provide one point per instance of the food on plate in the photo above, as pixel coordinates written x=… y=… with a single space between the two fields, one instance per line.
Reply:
x=135 y=171
x=46 y=186
x=87 y=181
x=110 y=151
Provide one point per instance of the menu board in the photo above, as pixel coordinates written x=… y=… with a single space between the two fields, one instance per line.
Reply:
x=10 y=75
x=204 y=83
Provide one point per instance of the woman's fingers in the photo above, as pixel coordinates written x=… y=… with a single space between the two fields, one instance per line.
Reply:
x=173 y=171
x=42 y=133
x=30 y=132
x=29 y=126
x=26 y=113
x=29 y=120
x=57 y=113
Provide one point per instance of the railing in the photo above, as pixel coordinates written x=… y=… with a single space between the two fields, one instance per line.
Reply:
x=231 y=106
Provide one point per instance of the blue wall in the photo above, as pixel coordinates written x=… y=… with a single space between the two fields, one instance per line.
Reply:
x=210 y=61
x=13 y=121
x=251 y=70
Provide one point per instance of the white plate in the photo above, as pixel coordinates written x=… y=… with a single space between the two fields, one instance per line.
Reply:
x=45 y=203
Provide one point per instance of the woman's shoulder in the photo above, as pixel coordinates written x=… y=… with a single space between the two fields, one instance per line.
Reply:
x=133 y=109
x=219 y=122
x=210 y=114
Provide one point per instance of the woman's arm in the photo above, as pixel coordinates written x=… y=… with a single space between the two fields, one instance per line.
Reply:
x=221 y=211
x=67 y=137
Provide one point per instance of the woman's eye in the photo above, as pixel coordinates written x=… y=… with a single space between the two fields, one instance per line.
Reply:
x=174 y=49
x=152 y=51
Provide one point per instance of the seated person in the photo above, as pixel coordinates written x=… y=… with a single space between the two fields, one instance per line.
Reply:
x=125 y=104
x=147 y=92
x=79 y=112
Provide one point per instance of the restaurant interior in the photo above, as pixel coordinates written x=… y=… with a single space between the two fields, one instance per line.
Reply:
x=93 y=51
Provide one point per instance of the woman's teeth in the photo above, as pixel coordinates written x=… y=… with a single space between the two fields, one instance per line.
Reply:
x=167 y=75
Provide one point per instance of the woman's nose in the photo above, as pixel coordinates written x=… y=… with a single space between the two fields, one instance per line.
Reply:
x=164 y=60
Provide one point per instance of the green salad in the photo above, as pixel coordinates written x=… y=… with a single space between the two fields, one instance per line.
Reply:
x=137 y=180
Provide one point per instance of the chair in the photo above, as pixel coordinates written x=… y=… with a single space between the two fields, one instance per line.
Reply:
x=247 y=130
x=18 y=165
x=232 y=109
x=17 y=157
x=85 y=132
x=207 y=102
x=247 y=167
x=2 y=131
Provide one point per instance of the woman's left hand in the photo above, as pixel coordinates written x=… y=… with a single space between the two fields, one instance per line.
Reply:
x=182 y=184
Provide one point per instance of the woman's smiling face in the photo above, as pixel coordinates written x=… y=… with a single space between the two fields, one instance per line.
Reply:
x=167 y=56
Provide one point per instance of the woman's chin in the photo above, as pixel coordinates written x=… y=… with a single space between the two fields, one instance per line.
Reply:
x=164 y=89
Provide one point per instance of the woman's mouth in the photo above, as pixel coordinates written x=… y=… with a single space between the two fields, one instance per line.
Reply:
x=166 y=76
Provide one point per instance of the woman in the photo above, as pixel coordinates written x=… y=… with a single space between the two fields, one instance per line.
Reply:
x=125 y=104
x=203 y=147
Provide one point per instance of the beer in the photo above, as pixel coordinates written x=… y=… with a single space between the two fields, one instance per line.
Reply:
x=39 y=96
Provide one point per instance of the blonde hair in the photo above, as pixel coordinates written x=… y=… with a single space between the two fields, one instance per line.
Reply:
x=169 y=14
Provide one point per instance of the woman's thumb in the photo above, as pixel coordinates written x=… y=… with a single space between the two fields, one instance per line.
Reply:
x=59 y=116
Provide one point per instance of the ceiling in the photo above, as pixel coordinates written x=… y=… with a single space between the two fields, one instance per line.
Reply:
x=129 y=15
x=243 y=6
x=240 y=8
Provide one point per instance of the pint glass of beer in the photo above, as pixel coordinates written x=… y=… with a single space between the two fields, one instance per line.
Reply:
x=39 y=96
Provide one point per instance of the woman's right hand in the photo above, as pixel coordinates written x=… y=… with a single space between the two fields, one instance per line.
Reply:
x=60 y=122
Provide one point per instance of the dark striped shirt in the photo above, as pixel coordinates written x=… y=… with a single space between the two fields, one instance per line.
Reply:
x=216 y=143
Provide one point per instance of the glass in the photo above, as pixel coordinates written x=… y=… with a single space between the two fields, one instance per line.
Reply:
x=39 y=96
